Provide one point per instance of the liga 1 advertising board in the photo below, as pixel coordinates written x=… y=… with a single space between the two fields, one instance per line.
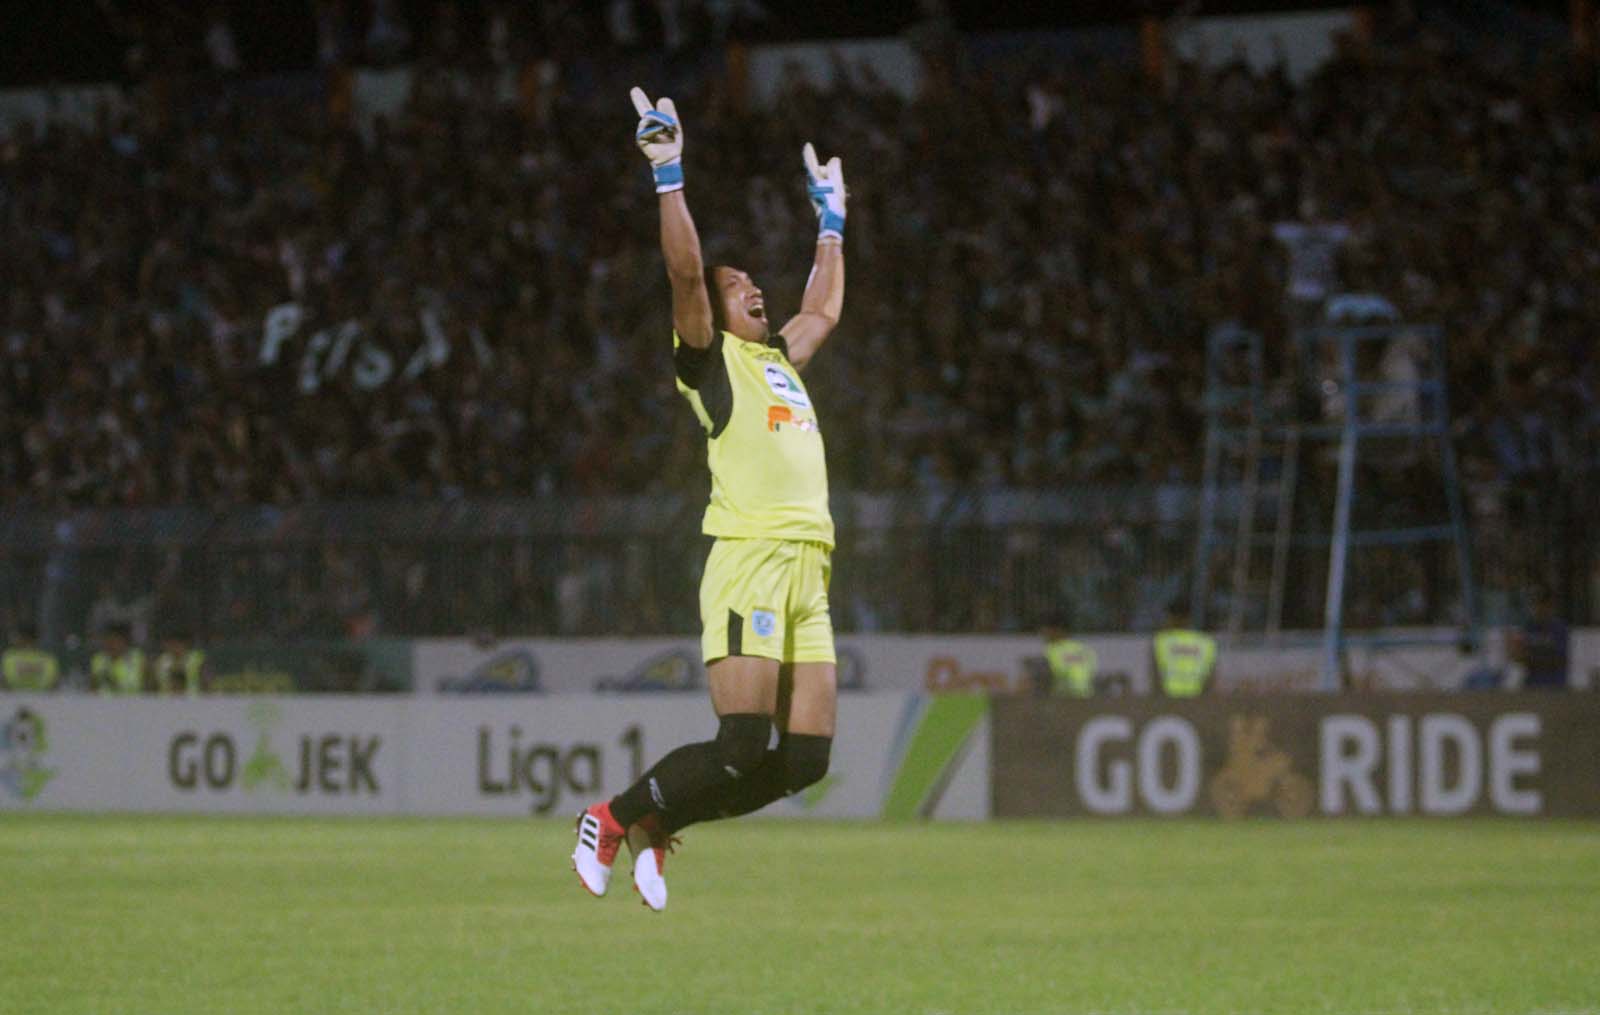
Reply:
x=894 y=755
x=1293 y=756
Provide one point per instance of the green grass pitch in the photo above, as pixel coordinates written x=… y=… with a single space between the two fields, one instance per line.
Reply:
x=170 y=915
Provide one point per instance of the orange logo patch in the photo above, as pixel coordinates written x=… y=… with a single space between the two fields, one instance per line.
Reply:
x=778 y=414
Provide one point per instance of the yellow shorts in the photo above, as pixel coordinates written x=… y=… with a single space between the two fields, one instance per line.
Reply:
x=768 y=598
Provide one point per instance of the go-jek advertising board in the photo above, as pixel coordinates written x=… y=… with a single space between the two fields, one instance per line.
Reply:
x=895 y=755
x=245 y=754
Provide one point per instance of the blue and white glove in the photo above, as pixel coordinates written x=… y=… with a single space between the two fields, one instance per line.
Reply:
x=825 y=187
x=660 y=137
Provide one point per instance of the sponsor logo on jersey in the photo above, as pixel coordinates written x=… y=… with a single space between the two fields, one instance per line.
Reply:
x=785 y=386
x=779 y=416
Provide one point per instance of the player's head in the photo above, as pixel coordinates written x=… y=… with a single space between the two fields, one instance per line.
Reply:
x=737 y=305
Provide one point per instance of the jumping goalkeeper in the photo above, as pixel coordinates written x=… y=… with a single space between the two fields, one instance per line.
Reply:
x=764 y=596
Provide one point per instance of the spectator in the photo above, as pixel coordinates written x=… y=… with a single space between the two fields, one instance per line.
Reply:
x=221 y=49
x=116 y=604
x=333 y=33
x=118 y=668
x=388 y=37
x=1480 y=672
x=180 y=668
x=1313 y=270
x=1543 y=644
x=27 y=667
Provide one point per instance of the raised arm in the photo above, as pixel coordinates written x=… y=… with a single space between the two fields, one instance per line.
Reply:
x=680 y=245
x=660 y=137
x=823 y=301
x=820 y=306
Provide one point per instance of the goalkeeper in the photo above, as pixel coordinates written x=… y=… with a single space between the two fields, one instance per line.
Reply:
x=764 y=595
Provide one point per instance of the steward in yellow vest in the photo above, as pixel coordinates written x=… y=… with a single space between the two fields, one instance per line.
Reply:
x=1185 y=660
x=118 y=668
x=1072 y=665
x=24 y=666
x=180 y=668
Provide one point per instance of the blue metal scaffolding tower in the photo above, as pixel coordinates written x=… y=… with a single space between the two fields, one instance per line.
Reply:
x=1429 y=421
x=1254 y=438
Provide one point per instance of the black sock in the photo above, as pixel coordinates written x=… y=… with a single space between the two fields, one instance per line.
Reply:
x=693 y=771
x=751 y=793
x=686 y=770
x=799 y=760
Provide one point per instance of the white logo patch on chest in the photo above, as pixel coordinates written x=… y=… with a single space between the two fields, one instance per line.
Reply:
x=786 y=387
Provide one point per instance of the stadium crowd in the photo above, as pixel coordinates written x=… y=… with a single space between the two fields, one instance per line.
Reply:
x=242 y=292
x=1036 y=257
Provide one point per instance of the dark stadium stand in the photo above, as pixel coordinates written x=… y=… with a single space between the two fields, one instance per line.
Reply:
x=1039 y=250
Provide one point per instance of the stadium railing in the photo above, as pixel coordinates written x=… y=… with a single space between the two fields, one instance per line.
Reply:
x=963 y=559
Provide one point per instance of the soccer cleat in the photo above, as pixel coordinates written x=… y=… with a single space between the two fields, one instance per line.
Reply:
x=599 y=835
x=648 y=865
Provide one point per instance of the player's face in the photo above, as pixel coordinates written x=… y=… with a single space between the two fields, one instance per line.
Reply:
x=743 y=306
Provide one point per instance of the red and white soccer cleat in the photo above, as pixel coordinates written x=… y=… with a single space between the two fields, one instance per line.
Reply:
x=650 y=864
x=599 y=836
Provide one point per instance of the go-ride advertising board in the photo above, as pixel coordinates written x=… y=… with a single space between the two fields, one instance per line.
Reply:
x=1293 y=756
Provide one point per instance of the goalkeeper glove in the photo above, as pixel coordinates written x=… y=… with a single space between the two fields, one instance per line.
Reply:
x=825 y=187
x=660 y=136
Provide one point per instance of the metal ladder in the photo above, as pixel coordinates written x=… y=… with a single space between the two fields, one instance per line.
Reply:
x=1256 y=461
x=1287 y=459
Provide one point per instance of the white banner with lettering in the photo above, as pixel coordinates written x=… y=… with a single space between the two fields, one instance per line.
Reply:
x=900 y=755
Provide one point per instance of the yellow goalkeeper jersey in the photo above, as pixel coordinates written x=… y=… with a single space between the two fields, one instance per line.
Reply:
x=769 y=479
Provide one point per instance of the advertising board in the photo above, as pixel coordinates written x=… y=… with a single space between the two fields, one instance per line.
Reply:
x=246 y=754
x=899 y=755
x=1531 y=755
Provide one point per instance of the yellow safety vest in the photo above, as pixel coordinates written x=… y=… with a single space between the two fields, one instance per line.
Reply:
x=118 y=675
x=170 y=668
x=1184 y=661
x=29 y=669
x=1072 y=667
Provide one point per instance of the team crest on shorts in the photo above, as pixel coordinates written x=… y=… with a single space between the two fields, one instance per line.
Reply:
x=763 y=623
